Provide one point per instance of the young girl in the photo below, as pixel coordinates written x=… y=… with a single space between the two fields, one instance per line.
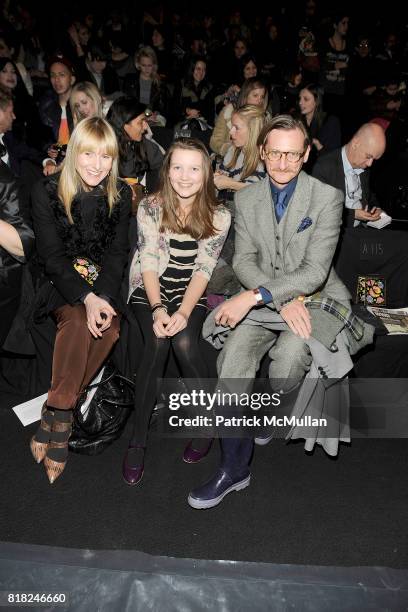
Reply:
x=81 y=220
x=181 y=230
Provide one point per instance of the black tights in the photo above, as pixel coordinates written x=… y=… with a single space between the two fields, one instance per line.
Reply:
x=185 y=346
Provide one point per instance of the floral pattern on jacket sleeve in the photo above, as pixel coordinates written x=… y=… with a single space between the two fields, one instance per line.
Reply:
x=209 y=249
x=148 y=236
x=146 y=256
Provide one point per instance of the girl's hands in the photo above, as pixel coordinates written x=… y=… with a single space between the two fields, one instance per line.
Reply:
x=178 y=321
x=161 y=320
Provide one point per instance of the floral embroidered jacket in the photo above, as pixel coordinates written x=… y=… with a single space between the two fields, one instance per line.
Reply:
x=153 y=252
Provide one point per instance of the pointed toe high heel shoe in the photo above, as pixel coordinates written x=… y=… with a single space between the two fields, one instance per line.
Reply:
x=40 y=441
x=57 y=452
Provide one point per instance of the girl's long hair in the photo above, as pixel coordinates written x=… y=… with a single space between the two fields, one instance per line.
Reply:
x=90 y=134
x=319 y=115
x=249 y=85
x=200 y=221
x=255 y=118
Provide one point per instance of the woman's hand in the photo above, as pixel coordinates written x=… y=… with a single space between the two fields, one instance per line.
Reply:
x=222 y=181
x=316 y=142
x=50 y=168
x=394 y=105
x=161 y=320
x=340 y=65
x=73 y=33
x=99 y=314
x=178 y=322
x=52 y=152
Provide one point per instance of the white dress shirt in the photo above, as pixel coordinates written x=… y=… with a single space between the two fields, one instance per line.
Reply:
x=354 y=193
x=5 y=158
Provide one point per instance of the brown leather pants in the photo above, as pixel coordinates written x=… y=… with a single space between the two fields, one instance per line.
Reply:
x=77 y=355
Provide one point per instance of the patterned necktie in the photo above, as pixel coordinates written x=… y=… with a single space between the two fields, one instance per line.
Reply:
x=280 y=205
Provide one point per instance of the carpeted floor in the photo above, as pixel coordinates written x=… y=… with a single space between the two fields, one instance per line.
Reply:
x=299 y=508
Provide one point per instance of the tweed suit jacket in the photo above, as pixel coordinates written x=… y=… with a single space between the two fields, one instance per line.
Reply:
x=306 y=247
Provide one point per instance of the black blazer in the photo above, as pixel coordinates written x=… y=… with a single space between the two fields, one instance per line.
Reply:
x=159 y=97
x=12 y=212
x=329 y=169
x=103 y=240
x=130 y=167
x=109 y=84
x=50 y=115
x=19 y=151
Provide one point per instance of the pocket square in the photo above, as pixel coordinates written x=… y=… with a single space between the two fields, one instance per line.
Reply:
x=304 y=224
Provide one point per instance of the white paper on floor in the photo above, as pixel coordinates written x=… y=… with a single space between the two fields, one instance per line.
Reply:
x=30 y=412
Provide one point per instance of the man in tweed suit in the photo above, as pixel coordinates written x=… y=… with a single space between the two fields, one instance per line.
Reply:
x=287 y=227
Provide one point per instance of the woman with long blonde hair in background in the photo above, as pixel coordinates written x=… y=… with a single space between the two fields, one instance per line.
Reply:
x=85 y=101
x=242 y=163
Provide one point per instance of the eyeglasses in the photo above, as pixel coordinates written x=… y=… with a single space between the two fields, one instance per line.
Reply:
x=291 y=156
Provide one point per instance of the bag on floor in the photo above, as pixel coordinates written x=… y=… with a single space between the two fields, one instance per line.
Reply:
x=100 y=420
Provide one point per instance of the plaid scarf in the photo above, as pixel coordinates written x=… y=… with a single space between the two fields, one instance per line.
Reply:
x=341 y=311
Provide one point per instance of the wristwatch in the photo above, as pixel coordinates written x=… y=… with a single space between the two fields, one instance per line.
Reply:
x=258 y=297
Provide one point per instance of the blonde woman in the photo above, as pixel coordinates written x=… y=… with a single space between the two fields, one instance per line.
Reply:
x=242 y=164
x=85 y=101
x=181 y=231
x=146 y=85
x=253 y=91
x=81 y=219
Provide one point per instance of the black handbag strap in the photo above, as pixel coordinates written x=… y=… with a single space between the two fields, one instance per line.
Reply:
x=105 y=380
x=117 y=403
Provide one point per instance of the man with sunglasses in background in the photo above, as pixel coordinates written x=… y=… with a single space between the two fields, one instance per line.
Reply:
x=287 y=227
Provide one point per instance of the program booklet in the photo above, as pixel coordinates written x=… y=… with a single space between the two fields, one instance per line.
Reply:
x=394 y=319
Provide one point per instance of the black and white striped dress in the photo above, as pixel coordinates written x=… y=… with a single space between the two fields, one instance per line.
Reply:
x=177 y=275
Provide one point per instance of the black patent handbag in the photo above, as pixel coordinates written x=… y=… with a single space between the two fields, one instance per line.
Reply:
x=106 y=415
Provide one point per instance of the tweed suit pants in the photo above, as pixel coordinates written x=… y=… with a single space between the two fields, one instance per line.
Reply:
x=246 y=346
